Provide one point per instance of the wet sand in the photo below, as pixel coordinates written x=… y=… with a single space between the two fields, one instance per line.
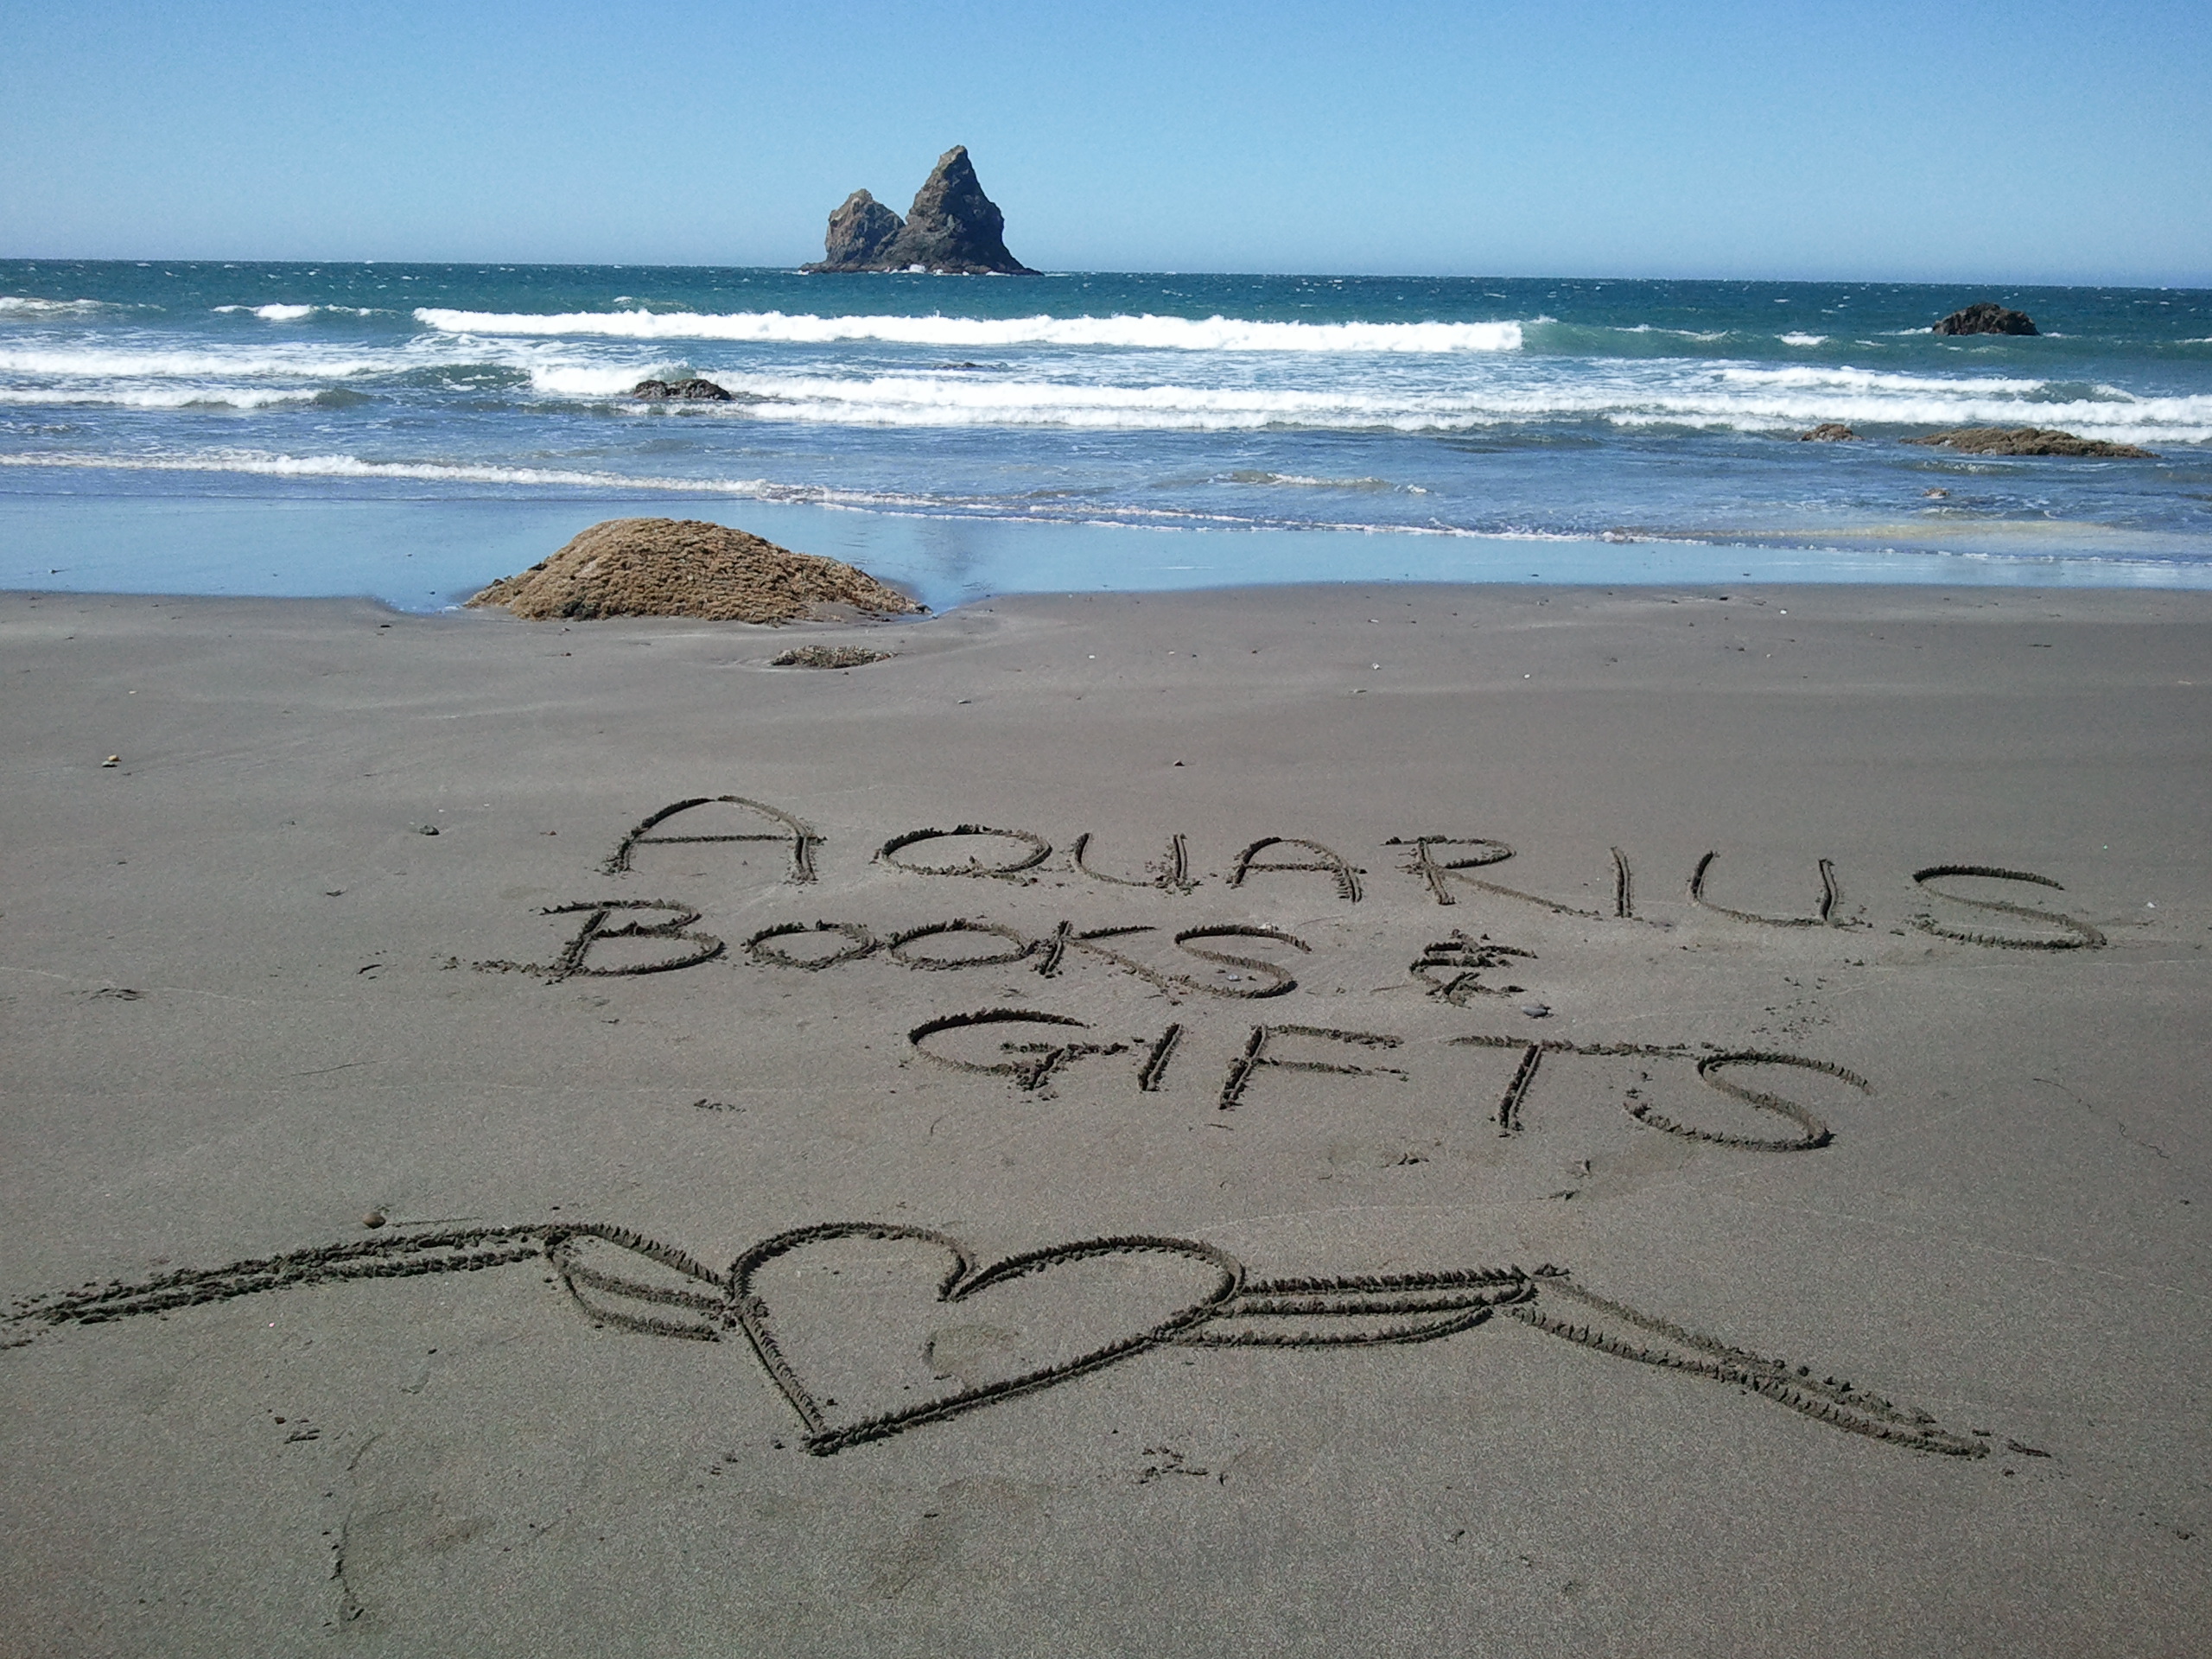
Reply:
x=1536 y=1120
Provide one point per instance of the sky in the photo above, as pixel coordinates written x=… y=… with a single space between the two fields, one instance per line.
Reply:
x=2019 y=143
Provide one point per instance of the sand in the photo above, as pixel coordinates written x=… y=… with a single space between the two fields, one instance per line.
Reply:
x=687 y=567
x=1007 y=1149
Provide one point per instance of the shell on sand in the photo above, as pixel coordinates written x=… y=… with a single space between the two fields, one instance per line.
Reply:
x=670 y=567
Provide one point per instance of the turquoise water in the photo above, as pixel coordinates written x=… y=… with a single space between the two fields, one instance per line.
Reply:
x=412 y=431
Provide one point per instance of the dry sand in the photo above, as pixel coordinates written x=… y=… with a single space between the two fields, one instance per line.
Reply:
x=1882 y=1216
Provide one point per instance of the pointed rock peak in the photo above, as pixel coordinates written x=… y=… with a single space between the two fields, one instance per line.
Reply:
x=952 y=227
x=953 y=169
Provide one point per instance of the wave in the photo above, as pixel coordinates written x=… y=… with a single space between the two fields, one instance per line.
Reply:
x=294 y=313
x=580 y=380
x=163 y=397
x=12 y=305
x=306 y=361
x=1803 y=340
x=1300 y=480
x=1740 y=399
x=1147 y=332
x=269 y=466
x=1705 y=336
x=1845 y=378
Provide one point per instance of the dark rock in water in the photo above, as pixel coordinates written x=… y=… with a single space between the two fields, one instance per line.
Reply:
x=1984 y=317
x=2028 y=441
x=859 y=231
x=1829 y=432
x=952 y=227
x=692 y=391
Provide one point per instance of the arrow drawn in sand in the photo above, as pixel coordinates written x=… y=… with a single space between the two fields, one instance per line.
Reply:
x=1053 y=1314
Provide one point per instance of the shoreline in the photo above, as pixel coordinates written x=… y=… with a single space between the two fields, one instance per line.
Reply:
x=1285 y=1142
x=422 y=556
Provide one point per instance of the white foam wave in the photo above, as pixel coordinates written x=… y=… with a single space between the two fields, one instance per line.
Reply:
x=1708 y=335
x=306 y=361
x=294 y=313
x=1804 y=340
x=1216 y=334
x=1304 y=481
x=1845 y=378
x=584 y=380
x=13 y=305
x=911 y=400
x=157 y=397
x=270 y=466
x=1750 y=401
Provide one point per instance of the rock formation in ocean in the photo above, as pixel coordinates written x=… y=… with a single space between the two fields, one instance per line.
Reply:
x=667 y=567
x=952 y=227
x=1828 y=432
x=2028 y=441
x=1986 y=317
x=858 y=231
x=692 y=391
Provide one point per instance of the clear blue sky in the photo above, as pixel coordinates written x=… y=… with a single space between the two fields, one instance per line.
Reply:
x=2021 y=142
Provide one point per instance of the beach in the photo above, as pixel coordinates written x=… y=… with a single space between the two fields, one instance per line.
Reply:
x=1495 y=1119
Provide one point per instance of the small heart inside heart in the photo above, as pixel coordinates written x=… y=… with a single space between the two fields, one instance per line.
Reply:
x=873 y=1330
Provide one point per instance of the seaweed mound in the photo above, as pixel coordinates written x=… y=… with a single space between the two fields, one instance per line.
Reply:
x=2028 y=441
x=671 y=567
x=828 y=656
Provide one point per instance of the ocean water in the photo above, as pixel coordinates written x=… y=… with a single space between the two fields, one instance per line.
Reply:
x=413 y=431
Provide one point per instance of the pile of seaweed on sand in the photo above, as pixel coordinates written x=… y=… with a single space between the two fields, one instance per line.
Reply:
x=668 y=567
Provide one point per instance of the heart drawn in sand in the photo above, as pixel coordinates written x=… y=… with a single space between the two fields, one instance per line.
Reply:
x=1156 y=1276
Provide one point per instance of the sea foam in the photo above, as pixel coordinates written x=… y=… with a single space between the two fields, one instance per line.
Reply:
x=116 y=363
x=1147 y=332
x=168 y=396
x=1727 y=399
x=275 y=466
x=15 y=305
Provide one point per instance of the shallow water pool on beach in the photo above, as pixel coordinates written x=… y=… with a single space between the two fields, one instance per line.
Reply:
x=413 y=432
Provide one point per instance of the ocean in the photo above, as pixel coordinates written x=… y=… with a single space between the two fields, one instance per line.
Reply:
x=412 y=431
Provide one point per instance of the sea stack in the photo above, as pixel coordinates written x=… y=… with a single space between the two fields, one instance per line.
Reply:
x=858 y=231
x=1986 y=317
x=953 y=227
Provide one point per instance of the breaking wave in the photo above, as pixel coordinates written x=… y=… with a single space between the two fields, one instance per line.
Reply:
x=269 y=466
x=1743 y=399
x=171 y=396
x=295 y=313
x=121 y=363
x=1147 y=332
x=13 y=305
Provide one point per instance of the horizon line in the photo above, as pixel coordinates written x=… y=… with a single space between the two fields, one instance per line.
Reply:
x=146 y=261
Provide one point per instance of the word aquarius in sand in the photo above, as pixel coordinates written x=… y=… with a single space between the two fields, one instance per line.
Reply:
x=1447 y=864
x=840 y=1305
